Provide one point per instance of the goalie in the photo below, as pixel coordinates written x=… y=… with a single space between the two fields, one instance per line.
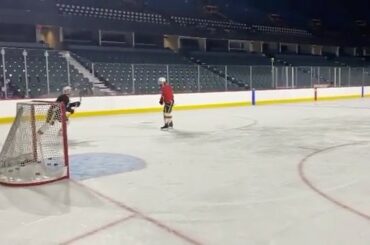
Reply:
x=54 y=112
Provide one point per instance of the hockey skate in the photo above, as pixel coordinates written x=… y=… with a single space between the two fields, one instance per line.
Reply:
x=166 y=126
x=170 y=125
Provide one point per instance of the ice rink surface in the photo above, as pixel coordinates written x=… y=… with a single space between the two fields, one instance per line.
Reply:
x=267 y=175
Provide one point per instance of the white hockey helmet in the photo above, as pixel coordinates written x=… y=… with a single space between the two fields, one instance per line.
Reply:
x=161 y=80
x=67 y=90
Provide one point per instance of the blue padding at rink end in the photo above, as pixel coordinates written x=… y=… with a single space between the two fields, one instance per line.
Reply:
x=92 y=165
x=253 y=97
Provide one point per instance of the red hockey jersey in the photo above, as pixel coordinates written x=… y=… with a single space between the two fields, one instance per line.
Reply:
x=167 y=94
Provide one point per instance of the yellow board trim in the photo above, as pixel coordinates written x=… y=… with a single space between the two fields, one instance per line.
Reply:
x=343 y=97
x=210 y=106
x=284 y=101
x=5 y=120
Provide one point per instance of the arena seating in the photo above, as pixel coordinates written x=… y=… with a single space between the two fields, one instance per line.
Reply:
x=230 y=58
x=304 y=60
x=129 y=70
x=208 y=23
x=36 y=69
x=238 y=70
x=351 y=61
x=281 y=30
x=110 y=14
x=137 y=70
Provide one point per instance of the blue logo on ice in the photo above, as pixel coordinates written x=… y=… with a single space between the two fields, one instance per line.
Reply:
x=91 y=165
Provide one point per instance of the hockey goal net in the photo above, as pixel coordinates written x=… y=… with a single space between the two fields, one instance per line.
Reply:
x=35 y=151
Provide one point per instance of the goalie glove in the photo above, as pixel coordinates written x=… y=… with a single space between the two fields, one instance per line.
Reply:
x=74 y=104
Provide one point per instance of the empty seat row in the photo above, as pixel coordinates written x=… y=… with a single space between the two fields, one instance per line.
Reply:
x=37 y=75
x=113 y=14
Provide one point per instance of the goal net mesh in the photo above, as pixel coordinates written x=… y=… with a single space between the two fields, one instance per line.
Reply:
x=35 y=150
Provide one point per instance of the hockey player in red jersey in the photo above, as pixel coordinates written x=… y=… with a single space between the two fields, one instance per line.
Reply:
x=54 y=112
x=167 y=99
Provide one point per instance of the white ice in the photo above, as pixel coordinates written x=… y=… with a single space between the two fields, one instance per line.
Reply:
x=294 y=174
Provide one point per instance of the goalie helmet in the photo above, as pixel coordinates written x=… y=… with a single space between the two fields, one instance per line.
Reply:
x=161 y=80
x=67 y=90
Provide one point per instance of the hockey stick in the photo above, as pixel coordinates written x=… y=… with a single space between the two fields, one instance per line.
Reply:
x=80 y=97
x=80 y=94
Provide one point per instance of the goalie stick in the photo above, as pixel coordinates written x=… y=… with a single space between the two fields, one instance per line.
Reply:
x=80 y=94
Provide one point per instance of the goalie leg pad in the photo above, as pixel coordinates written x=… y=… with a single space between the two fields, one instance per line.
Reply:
x=53 y=114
